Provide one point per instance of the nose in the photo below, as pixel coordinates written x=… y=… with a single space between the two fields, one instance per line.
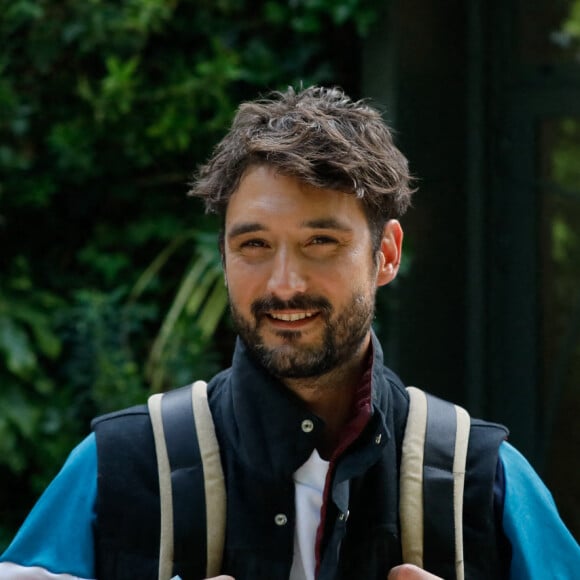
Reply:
x=287 y=276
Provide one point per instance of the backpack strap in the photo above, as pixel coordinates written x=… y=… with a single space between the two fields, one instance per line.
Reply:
x=214 y=482
x=433 y=461
x=188 y=459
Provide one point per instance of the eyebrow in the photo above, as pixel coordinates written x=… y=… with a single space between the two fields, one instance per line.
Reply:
x=318 y=224
x=326 y=224
x=245 y=228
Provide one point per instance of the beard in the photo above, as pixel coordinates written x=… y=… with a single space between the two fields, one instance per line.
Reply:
x=342 y=336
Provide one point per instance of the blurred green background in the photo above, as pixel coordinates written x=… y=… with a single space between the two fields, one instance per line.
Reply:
x=110 y=278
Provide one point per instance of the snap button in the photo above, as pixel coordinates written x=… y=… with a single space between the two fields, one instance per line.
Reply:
x=281 y=519
x=307 y=425
x=378 y=439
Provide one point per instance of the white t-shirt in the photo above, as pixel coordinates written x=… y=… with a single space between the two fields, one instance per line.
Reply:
x=309 y=482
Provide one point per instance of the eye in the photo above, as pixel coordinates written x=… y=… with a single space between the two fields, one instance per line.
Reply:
x=253 y=243
x=322 y=240
x=253 y=247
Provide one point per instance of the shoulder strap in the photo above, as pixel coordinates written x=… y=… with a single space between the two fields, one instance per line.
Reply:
x=188 y=458
x=433 y=461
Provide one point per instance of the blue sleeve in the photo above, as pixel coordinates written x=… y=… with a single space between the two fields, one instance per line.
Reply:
x=542 y=546
x=58 y=533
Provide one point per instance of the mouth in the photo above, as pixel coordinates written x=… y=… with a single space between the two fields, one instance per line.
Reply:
x=299 y=314
x=291 y=317
x=291 y=320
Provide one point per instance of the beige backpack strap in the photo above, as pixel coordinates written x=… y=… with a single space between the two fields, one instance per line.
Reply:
x=165 y=495
x=411 y=479
x=185 y=435
x=433 y=460
x=459 y=468
x=215 y=489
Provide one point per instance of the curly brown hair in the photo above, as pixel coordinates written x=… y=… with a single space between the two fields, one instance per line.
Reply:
x=323 y=138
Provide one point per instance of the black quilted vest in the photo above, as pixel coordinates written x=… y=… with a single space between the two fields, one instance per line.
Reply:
x=258 y=426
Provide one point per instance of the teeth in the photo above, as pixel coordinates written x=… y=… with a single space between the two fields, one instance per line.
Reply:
x=292 y=317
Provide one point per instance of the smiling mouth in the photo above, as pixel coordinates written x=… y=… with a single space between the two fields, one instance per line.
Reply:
x=293 y=317
x=297 y=313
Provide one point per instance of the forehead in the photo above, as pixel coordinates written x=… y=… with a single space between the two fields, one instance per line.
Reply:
x=266 y=195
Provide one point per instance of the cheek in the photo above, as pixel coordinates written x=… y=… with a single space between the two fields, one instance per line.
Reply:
x=357 y=270
x=243 y=288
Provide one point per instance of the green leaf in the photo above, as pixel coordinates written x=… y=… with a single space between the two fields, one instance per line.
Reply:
x=16 y=347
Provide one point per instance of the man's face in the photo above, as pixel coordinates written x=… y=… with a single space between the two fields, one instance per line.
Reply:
x=300 y=273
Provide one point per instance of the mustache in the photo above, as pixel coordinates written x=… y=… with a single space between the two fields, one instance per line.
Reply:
x=299 y=302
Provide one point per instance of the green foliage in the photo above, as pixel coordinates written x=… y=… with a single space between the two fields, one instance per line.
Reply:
x=564 y=250
x=194 y=314
x=105 y=110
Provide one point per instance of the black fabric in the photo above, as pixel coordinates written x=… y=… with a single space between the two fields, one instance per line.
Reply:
x=128 y=507
x=258 y=425
x=438 y=483
x=483 y=542
x=186 y=475
x=127 y=530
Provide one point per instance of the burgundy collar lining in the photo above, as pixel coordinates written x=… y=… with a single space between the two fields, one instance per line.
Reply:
x=360 y=416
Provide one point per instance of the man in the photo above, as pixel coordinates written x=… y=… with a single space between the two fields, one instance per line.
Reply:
x=309 y=421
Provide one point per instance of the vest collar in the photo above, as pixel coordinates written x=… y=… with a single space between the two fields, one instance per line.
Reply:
x=271 y=428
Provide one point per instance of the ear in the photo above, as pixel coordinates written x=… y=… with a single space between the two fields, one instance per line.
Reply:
x=389 y=255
